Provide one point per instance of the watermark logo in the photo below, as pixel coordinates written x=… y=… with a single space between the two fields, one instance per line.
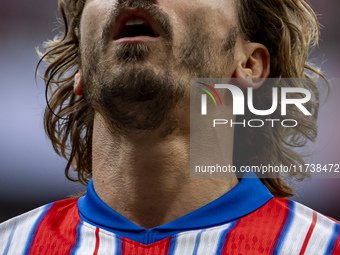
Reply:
x=239 y=99
x=225 y=115
x=204 y=97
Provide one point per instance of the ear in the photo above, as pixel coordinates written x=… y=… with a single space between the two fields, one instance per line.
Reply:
x=254 y=66
x=78 y=85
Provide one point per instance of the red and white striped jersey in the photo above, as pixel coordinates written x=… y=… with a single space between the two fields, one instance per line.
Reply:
x=246 y=220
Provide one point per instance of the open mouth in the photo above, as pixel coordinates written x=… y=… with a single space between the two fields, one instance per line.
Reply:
x=134 y=22
x=136 y=27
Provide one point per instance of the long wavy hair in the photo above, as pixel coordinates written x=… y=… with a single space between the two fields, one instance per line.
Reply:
x=288 y=28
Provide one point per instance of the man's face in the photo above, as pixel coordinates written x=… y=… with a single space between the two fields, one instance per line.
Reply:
x=137 y=57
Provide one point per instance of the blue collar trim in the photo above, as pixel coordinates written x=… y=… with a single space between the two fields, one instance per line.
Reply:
x=244 y=198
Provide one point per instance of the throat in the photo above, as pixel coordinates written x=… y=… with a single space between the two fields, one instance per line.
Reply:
x=151 y=199
x=147 y=180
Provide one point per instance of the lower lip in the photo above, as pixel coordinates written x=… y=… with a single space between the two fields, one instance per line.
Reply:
x=136 y=39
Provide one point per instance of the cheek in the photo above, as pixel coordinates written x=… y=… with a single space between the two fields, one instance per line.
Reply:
x=93 y=19
x=217 y=16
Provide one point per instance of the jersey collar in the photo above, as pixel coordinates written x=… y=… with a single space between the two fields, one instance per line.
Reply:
x=244 y=198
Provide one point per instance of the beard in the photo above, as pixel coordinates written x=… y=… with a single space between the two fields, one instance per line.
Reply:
x=138 y=99
x=132 y=95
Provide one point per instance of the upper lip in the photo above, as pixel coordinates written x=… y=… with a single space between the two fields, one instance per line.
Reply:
x=134 y=13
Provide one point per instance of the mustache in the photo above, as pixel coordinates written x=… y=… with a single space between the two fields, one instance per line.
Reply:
x=158 y=15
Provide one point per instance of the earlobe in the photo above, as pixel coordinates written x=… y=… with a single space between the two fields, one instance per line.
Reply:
x=78 y=86
x=254 y=69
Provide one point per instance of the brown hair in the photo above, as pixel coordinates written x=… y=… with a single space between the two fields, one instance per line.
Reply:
x=288 y=28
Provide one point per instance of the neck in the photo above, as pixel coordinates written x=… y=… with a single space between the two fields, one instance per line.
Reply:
x=145 y=177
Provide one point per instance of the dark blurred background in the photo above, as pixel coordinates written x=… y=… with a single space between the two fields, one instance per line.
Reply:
x=32 y=174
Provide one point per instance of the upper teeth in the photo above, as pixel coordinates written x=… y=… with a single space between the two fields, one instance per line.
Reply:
x=135 y=22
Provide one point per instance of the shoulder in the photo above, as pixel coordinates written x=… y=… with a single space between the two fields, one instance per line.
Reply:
x=282 y=226
x=305 y=230
x=19 y=233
